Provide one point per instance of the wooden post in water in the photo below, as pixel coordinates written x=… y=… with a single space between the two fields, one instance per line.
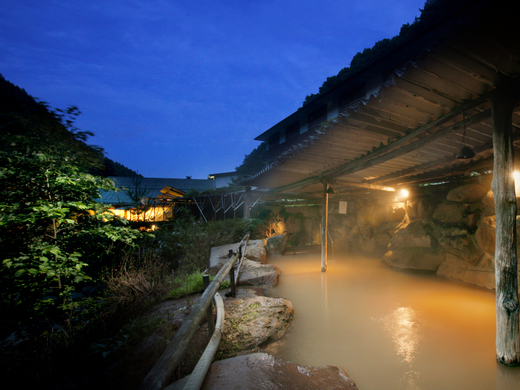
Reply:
x=506 y=276
x=324 y=226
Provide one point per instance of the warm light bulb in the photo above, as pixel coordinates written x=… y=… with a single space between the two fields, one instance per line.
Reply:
x=516 y=175
x=405 y=193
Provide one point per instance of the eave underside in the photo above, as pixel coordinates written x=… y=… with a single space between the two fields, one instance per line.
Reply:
x=411 y=129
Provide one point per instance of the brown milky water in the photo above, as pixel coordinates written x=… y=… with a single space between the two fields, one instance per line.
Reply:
x=389 y=329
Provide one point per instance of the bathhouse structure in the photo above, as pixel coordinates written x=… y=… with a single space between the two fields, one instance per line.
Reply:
x=438 y=104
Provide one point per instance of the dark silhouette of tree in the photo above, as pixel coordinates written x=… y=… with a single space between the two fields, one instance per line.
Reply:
x=433 y=13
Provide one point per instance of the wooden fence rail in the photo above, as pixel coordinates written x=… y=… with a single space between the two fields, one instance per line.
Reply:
x=161 y=373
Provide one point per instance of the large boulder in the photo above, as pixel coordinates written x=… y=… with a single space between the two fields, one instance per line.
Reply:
x=411 y=235
x=253 y=322
x=376 y=225
x=371 y=216
x=468 y=193
x=383 y=234
x=276 y=244
x=481 y=274
x=461 y=244
x=219 y=256
x=419 y=209
x=376 y=215
x=256 y=251
x=485 y=234
x=253 y=273
x=294 y=221
x=261 y=371
x=449 y=213
x=416 y=258
x=489 y=199
x=411 y=248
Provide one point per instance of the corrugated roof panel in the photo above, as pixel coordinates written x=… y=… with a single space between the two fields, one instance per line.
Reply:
x=150 y=188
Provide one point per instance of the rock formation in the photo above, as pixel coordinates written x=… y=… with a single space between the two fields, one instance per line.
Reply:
x=253 y=322
x=449 y=229
x=262 y=371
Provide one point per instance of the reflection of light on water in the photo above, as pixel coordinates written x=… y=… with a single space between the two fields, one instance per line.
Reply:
x=324 y=292
x=409 y=381
x=370 y=330
x=402 y=326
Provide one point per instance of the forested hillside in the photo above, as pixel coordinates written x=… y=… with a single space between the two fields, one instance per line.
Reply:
x=16 y=102
x=433 y=13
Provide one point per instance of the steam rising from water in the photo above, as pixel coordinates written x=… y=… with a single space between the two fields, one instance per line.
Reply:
x=389 y=329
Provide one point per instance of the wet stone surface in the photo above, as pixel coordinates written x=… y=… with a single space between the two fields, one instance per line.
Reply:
x=253 y=322
x=263 y=371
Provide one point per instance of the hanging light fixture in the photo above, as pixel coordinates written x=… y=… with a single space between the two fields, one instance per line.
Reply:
x=465 y=151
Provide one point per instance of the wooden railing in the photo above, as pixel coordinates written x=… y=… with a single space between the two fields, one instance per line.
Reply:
x=161 y=373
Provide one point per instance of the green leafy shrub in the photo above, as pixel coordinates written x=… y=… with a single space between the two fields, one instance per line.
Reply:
x=55 y=239
x=51 y=229
x=55 y=242
x=185 y=243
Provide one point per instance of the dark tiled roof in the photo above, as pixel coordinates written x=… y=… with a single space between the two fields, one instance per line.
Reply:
x=151 y=187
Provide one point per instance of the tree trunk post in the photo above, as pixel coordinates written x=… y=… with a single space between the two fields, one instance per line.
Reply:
x=247 y=203
x=506 y=276
x=324 y=226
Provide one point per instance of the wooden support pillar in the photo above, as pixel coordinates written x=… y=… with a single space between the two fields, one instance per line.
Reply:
x=247 y=203
x=324 y=226
x=507 y=336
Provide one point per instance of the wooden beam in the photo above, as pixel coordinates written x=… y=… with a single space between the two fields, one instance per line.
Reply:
x=363 y=163
x=396 y=147
x=367 y=185
x=506 y=275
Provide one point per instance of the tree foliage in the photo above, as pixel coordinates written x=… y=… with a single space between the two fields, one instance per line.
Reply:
x=433 y=12
x=53 y=234
x=254 y=161
x=113 y=168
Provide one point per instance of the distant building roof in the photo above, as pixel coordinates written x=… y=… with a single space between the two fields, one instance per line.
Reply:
x=222 y=174
x=150 y=188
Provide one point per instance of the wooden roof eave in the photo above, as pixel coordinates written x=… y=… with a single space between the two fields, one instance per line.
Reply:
x=399 y=146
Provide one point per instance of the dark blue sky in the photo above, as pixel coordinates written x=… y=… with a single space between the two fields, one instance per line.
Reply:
x=175 y=88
